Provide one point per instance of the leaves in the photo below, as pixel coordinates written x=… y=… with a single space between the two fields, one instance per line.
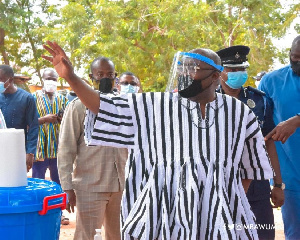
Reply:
x=143 y=36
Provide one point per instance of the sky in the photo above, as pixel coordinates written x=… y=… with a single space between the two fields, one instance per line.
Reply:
x=286 y=41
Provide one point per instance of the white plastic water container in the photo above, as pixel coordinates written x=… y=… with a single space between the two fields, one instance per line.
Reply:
x=13 y=171
x=98 y=235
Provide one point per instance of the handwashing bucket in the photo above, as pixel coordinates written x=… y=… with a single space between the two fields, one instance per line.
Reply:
x=32 y=212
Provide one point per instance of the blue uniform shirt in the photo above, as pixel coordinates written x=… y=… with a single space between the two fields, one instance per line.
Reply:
x=282 y=88
x=19 y=111
x=260 y=105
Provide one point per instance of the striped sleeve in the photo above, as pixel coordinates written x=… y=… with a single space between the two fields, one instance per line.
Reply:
x=113 y=125
x=255 y=163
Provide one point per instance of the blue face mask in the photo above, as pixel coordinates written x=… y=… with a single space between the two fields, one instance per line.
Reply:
x=129 y=89
x=236 y=80
x=2 y=88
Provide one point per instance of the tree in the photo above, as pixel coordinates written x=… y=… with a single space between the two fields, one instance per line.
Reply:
x=21 y=37
x=143 y=36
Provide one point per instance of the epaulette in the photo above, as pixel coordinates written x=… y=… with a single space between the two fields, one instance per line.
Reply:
x=255 y=90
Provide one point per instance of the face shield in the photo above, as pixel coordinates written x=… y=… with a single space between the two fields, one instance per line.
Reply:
x=184 y=69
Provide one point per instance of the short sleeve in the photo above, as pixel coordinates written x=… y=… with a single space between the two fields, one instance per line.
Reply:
x=268 y=124
x=255 y=163
x=113 y=125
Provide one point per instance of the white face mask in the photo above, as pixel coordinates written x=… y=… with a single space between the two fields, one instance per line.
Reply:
x=129 y=89
x=50 y=86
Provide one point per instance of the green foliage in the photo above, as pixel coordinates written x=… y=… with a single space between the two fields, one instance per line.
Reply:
x=143 y=36
x=22 y=21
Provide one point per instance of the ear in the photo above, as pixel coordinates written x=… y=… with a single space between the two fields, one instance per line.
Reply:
x=91 y=76
x=9 y=82
x=216 y=75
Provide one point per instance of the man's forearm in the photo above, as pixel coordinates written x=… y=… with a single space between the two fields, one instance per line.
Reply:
x=89 y=97
x=296 y=119
x=32 y=138
x=65 y=162
x=271 y=149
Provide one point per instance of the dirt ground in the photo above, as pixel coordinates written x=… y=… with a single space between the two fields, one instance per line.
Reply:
x=67 y=231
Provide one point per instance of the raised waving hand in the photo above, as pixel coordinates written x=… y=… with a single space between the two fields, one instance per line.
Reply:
x=89 y=97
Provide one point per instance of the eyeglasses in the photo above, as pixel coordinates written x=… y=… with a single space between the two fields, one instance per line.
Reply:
x=191 y=68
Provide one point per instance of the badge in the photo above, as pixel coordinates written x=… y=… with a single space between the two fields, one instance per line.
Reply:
x=251 y=103
x=237 y=55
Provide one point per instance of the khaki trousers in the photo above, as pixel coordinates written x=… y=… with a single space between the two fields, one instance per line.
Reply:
x=95 y=209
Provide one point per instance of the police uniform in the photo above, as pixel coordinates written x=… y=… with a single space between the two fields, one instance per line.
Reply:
x=259 y=191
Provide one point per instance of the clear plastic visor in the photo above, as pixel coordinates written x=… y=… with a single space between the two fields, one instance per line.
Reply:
x=184 y=68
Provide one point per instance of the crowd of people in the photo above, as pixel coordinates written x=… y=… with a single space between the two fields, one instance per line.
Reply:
x=194 y=162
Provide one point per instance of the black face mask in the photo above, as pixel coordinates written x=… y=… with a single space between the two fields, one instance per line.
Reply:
x=191 y=91
x=105 y=85
x=295 y=65
x=195 y=88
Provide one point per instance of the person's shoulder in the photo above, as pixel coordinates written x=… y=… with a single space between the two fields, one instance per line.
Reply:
x=24 y=93
x=255 y=91
x=76 y=104
x=276 y=73
x=232 y=101
x=227 y=97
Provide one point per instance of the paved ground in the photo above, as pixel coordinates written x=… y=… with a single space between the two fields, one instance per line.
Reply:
x=67 y=231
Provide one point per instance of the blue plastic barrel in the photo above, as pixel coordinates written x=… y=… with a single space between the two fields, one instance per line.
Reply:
x=32 y=212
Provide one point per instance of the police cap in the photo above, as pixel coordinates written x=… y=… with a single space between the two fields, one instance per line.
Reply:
x=235 y=56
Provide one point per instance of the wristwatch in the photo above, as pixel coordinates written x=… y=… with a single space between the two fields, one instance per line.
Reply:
x=279 y=185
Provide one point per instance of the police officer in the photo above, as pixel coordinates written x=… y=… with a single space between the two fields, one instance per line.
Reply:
x=234 y=60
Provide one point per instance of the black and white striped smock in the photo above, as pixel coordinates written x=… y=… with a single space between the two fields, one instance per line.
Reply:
x=183 y=175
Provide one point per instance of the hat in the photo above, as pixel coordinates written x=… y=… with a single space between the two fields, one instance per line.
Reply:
x=260 y=75
x=235 y=56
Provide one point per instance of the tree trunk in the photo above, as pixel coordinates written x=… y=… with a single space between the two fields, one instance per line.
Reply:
x=2 y=47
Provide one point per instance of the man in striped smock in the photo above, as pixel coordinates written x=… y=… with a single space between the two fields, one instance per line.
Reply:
x=50 y=105
x=192 y=153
